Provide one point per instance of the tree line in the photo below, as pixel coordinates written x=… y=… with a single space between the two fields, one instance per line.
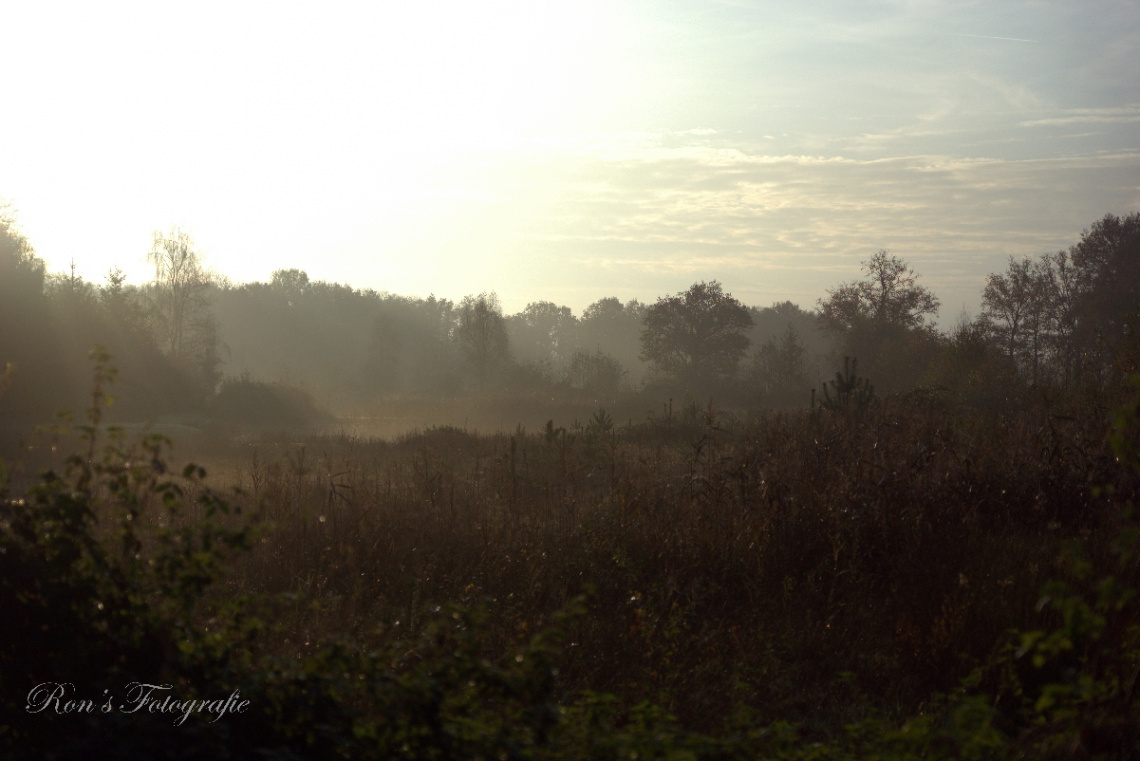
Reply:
x=1065 y=320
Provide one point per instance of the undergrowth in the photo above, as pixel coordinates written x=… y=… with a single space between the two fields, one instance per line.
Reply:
x=900 y=583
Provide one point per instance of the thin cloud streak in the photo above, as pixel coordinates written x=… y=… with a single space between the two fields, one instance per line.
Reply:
x=1118 y=115
x=991 y=37
x=662 y=215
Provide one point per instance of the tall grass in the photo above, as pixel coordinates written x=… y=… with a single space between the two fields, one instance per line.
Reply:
x=807 y=565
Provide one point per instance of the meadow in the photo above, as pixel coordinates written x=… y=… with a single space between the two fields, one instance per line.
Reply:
x=808 y=565
x=701 y=583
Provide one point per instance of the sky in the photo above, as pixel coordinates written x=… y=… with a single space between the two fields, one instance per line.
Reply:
x=571 y=151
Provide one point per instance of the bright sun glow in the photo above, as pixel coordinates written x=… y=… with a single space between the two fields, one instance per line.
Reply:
x=282 y=134
x=569 y=151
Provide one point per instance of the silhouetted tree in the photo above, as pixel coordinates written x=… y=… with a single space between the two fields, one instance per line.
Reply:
x=184 y=323
x=779 y=370
x=1107 y=263
x=888 y=295
x=21 y=271
x=291 y=283
x=1017 y=305
x=544 y=334
x=1071 y=316
x=615 y=329
x=972 y=367
x=771 y=326
x=881 y=320
x=697 y=335
x=1063 y=288
x=482 y=334
x=28 y=343
x=124 y=307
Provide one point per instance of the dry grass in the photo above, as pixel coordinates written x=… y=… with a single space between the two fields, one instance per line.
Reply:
x=784 y=562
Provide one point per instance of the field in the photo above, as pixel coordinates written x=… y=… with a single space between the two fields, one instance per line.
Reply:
x=813 y=568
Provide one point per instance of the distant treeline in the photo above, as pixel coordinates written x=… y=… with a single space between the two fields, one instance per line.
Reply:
x=358 y=344
x=1065 y=321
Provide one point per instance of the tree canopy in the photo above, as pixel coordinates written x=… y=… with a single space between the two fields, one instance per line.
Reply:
x=889 y=295
x=482 y=334
x=697 y=335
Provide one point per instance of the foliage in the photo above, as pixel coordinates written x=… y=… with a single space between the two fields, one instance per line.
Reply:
x=1016 y=302
x=614 y=328
x=100 y=573
x=779 y=370
x=48 y=324
x=105 y=579
x=180 y=281
x=849 y=393
x=1107 y=271
x=737 y=569
x=21 y=271
x=1065 y=317
x=243 y=401
x=482 y=334
x=544 y=331
x=696 y=336
x=1068 y=688
x=882 y=319
x=596 y=372
x=889 y=295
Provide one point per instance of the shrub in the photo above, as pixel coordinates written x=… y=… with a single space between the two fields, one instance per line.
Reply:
x=246 y=402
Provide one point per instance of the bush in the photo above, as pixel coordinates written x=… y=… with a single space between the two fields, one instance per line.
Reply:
x=273 y=406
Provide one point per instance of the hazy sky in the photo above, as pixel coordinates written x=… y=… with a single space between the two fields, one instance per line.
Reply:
x=574 y=150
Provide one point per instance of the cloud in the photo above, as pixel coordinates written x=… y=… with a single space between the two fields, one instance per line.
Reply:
x=1116 y=115
x=991 y=37
x=662 y=213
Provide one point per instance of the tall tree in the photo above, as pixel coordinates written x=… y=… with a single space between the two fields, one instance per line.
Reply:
x=882 y=321
x=186 y=329
x=1017 y=305
x=21 y=271
x=482 y=334
x=1063 y=289
x=615 y=329
x=292 y=283
x=889 y=295
x=544 y=333
x=180 y=287
x=779 y=370
x=28 y=341
x=697 y=335
x=1107 y=260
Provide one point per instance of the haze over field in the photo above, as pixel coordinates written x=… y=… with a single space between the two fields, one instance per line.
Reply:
x=622 y=378
x=573 y=151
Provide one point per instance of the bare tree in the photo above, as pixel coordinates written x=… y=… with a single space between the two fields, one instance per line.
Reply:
x=184 y=325
x=180 y=287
